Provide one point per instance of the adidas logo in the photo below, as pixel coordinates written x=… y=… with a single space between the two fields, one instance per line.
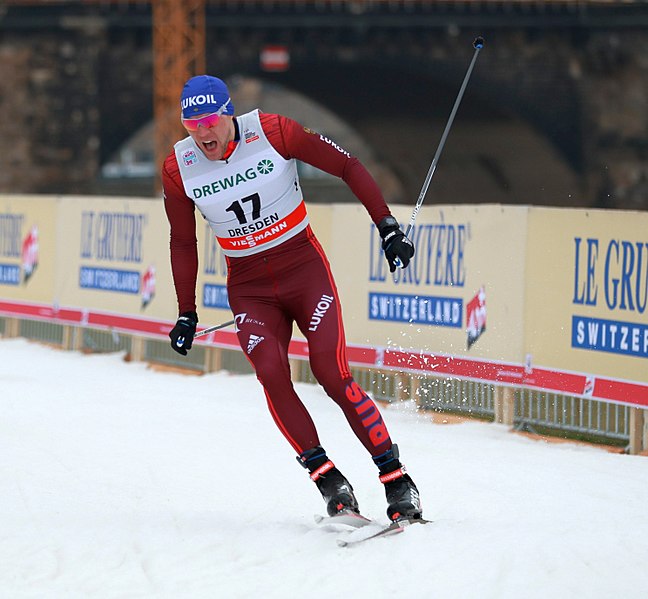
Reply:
x=253 y=341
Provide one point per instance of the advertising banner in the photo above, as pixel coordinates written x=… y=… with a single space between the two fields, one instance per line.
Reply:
x=461 y=295
x=546 y=298
x=28 y=260
x=114 y=258
x=587 y=292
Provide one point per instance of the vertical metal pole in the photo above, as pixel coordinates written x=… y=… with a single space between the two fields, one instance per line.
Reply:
x=478 y=44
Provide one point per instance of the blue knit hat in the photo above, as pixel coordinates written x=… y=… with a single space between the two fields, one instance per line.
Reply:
x=205 y=94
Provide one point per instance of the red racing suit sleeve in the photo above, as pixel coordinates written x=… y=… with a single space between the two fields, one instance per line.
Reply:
x=293 y=140
x=180 y=211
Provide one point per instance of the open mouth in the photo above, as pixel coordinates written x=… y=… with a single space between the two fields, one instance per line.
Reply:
x=210 y=145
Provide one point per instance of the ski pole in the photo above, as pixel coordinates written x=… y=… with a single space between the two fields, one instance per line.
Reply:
x=214 y=328
x=478 y=44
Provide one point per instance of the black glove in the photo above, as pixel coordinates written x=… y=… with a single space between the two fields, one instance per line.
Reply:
x=183 y=332
x=395 y=244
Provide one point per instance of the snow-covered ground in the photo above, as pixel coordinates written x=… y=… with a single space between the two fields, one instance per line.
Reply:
x=118 y=481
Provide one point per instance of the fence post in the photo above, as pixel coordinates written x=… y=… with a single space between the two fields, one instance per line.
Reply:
x=402 y=388
x=12 y=327
x=637 y=418
x=415 y=391
x=213 y=359
x=295 y=370
x=504 y=405
x=68 y=337
x=137 y=348
x=72 y=338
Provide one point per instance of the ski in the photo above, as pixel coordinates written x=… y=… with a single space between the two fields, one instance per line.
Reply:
x=347 y=517
x=390 y=529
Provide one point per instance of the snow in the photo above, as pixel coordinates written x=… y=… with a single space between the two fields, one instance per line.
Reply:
x=118 y=481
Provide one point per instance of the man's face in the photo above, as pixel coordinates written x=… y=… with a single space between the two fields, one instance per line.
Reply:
x=211 y=138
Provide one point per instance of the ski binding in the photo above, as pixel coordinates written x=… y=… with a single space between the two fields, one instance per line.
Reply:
x=346 y=517
x=390 y=529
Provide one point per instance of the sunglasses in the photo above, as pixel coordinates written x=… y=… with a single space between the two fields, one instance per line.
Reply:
x=207 y=121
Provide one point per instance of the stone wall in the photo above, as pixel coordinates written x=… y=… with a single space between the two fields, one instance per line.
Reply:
x=70 y=96
x=48 y=91
x=615 y=87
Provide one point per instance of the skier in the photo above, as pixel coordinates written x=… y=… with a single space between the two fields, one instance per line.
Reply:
x=241 y=174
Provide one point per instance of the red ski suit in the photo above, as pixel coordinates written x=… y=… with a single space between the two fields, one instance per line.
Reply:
x=291 y=282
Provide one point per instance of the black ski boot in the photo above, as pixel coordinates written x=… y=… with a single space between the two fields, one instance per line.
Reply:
x=334 y=487
x=402 y=495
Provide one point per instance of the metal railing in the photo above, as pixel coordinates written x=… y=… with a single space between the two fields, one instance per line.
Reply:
x=104 y=341
x=42 y=331
x=571 y=414
x=472 y=398
x=552 y=412
x=160 y=352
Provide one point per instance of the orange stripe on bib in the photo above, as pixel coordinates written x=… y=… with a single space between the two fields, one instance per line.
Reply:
x=267 y=234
